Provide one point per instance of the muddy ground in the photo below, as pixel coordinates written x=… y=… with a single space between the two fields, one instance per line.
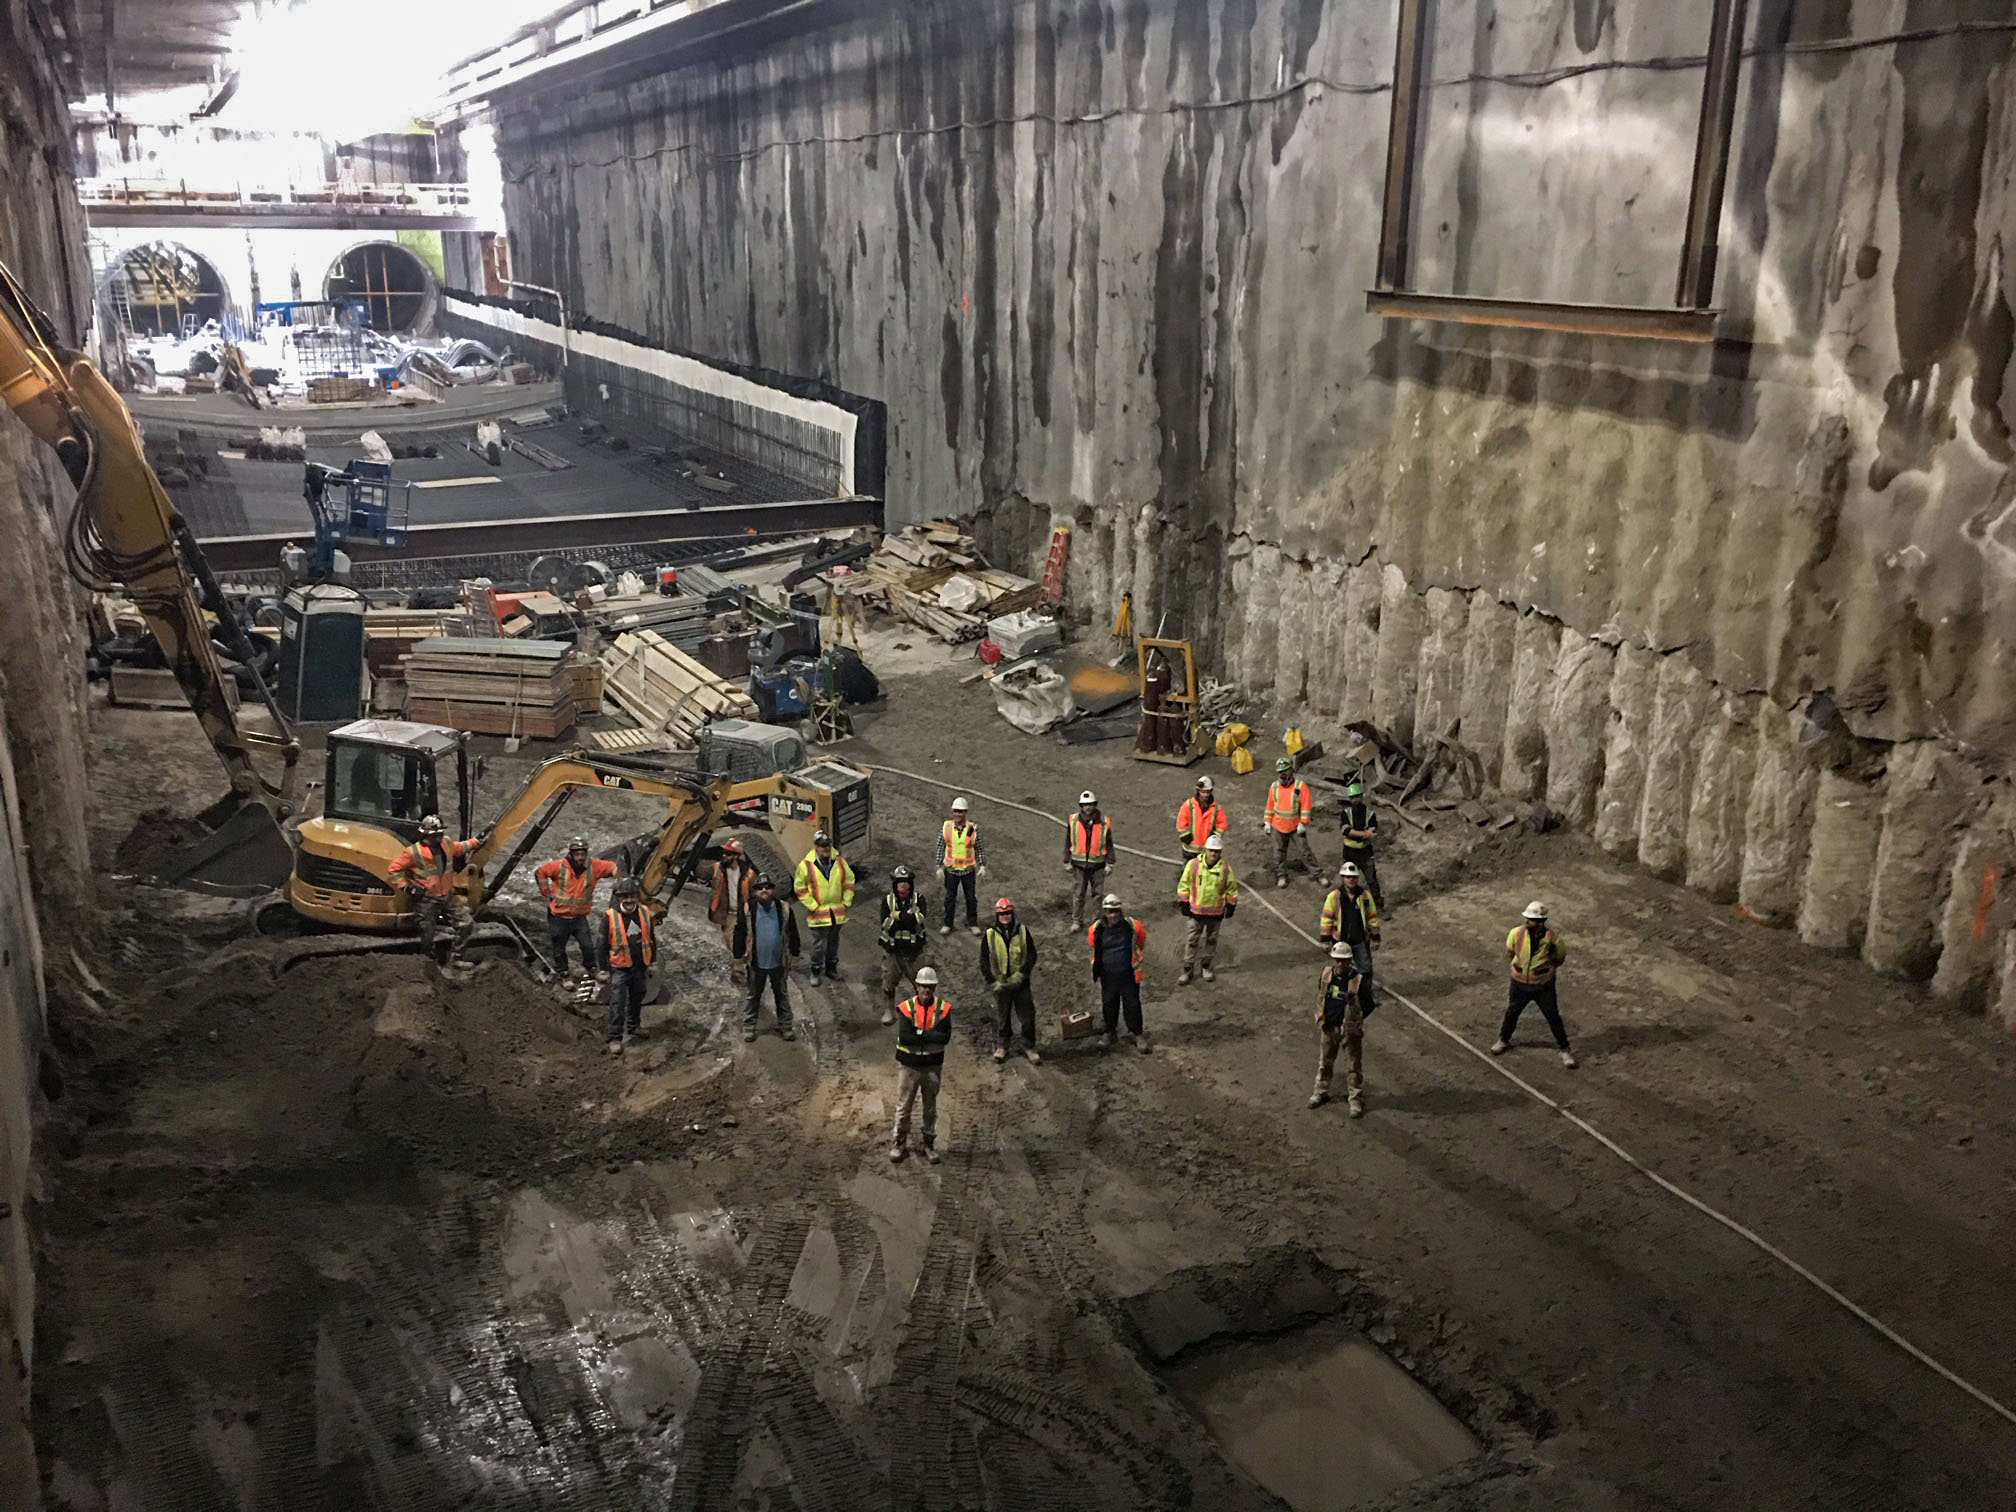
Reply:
x=333 y=1231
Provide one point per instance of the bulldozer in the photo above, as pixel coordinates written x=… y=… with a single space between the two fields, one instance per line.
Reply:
x=383 y=776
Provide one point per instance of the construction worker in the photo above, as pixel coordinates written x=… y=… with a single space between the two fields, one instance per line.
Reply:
x=959 y=862
x=1340 y=1024
x=1007 y=961
x=766 y=942
x=730 y=898
x=1351 y=918
x=629 y=945
x=1287 y=820
x=1118 y=945
x=901 y=938
x=1199 y=817
x=1361 y=834
x=426 y=870
x=825 y=885
x=568 y=886
x=1536 y=953
x=1209 y=894
x=923 y=1030
x=1088 y=851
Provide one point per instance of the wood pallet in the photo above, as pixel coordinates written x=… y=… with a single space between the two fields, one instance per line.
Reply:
x=665 y=690
x=627 y=740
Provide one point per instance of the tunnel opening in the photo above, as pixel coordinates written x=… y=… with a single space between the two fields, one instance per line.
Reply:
x=393 y=286
x=169 y=290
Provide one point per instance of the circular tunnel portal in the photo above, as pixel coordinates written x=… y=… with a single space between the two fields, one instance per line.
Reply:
x=170 y=291
x=393 y=285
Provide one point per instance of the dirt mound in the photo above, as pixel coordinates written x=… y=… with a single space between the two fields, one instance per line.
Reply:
x=157 y=836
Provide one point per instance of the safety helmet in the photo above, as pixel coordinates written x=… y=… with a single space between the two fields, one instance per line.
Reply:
x=927 y=977
x=1340 y=951
x=629 y=887
x=1204 y=783
x=1283 y=764
x=1088 y=796
x=820 y=837
x=1111 y=900
x=960 y=805
x=579 y=842
x=760 y=882
x=900 y=874
x=1350 y=870
x=1004 y=905
x=1215 y=843
x=731 y=847
x=432 y=825
x=1536 y=910
x=1354 y=789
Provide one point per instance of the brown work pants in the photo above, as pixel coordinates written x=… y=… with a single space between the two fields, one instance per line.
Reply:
x=1349 y=1036
x=1293 y=846
x=434 y=914
x=1200 y=943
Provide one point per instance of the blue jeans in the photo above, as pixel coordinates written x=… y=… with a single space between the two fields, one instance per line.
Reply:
x=626 y=1000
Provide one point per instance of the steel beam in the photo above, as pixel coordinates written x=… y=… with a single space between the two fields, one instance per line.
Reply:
x=1711 y=156
x=284 y=217
x=1403 y=136
x=252 y=553
x=1540 y=315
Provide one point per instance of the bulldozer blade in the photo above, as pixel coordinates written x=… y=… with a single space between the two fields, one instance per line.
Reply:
x=245 y=855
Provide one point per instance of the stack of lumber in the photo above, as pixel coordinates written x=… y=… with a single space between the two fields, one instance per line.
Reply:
x=492 y=687
x=666 y=691
x=586 y=673
x=909 y=573
x=391 y=634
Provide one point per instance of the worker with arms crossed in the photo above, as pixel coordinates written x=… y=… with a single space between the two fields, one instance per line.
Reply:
x=923 y=1030
x=1007 y=961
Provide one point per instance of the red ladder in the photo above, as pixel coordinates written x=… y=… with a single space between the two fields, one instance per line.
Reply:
x=1053 y=566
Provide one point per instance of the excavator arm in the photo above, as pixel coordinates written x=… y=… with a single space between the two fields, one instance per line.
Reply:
x=124 y=532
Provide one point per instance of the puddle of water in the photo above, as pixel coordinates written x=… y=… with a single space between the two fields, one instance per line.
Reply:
x=1322 y=1418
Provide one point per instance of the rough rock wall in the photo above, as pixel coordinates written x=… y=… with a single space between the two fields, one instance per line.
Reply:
x=1104 y=260
x=45 y=863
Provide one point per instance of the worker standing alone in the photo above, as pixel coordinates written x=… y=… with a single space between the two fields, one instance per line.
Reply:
x=1007 y=961
x=729 y=899
x=1119 y=946
x=1088 y=851
x=1287 y=820
x=1198 y=818
x=1340 y=1023
x=568 y=886
x=923 y=1030
x=901 y=937
x=629 y=944
x=426 y=870
x=959 y=862
x=825 y=885
x=1536 y=953
x=1209 y=895
x=1361 y=837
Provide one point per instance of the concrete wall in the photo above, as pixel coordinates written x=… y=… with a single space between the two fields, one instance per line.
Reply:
x=1106 y=262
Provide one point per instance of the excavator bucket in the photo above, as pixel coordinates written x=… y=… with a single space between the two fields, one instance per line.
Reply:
x=243 y=854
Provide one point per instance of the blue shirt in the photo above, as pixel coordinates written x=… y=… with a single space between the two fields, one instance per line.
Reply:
x=767 y=946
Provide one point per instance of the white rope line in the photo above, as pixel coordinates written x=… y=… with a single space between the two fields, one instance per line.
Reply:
x=1832 y=1293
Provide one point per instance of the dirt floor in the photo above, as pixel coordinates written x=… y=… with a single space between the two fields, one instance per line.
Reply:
x=333 y=1231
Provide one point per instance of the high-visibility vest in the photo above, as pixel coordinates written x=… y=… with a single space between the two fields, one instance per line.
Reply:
x=433 y=871
x=1336 y=920
x=570 y=894
x=922 y=1031
x=1010 y=954
x=1140 y=943
x=1208 y=889
x=1534 y=966
x=827 y=895
x=1091 y=844
x=1338 y=998
x=961 y=845
x=902 y=923
x=1287 y=807
x=1195 y=822
x=619 y=938
x=1358 y=815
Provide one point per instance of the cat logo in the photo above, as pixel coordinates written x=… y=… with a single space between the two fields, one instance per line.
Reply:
x=609 y=779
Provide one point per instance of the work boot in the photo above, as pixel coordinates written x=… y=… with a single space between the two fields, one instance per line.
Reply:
x=636 y=1034
x=944 y=929
x=1034 y=1058
x=975 y=930
x=613 y=1047
x=1280 y=881
x=1185 y=979
x=1208 y=974
x=1355 y=1105
x=931 y=1152
x=888 y=1015
x=1318 y=1098
x=1107 y=1041
x=787 y=1031
x=1141 y=1042
x=1568 y=1059
x=748 y=1036
x=896 y=1151
x=1500 y=1046
x=1000 y=1053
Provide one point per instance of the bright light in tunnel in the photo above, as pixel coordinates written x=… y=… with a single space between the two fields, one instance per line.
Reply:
x=348 y=68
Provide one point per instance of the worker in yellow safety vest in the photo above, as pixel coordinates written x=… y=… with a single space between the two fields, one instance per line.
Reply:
x=1209 y=894
x=959 y=862
x=1007 y=961
x=1088 y=851
x=825 y=885
x=1536 y=953
x=1351 y=918
x=1286 y=819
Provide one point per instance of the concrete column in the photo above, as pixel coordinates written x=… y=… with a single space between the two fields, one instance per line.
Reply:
x=1626 y=737
x=1778 y=821
x=1295 y=640
x=1326 y=661
x=1438 y=699
x=1681 y=701
x=1980 y=905
x=1578 y=716
x=1536 y=644
x=1487 y=679
x=1361 y=639
x=1914 y=861
x=1847 y=824
x=1720 y=800
x=1395 y=673
x=2005 y=998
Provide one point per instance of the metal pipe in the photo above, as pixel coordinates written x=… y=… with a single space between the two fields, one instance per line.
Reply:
x=1410 y=51
x=558 y=298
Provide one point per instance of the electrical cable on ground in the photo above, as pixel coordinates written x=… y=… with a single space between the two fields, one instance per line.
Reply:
x=1832 y=1293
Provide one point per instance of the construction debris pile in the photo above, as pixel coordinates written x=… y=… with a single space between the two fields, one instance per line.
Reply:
x=934 y=576
x=1440 y=775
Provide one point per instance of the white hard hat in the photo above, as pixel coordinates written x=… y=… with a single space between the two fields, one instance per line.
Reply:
x=1340 y=951
x=1349 y=869
x=1536 y=909
x=927 y=977
x=1215 y=843
x=1111 y=900
x=1204 y=783
x=1088 y=796
x=960 y=805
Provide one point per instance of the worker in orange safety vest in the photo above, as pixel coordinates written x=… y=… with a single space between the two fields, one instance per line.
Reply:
x=1286 y=819
x=1088 y=851
x=629 y=945
x=568 y=886
x=426 y=870
x=1198 y=818
x=1119 y=946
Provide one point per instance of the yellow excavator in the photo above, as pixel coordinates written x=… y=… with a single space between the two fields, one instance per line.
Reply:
x=384 y=776
x=124 y=532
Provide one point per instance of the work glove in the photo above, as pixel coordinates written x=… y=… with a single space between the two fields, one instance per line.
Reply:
x=1302 y=829
x=1183 y=908
x=1231 y=909
x=983 y=871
